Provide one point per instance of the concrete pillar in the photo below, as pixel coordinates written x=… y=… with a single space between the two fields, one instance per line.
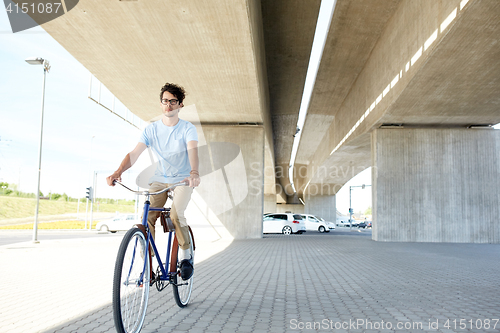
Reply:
x=232 y=179
x=324 y=206
x=269 y=203
x=436 y=185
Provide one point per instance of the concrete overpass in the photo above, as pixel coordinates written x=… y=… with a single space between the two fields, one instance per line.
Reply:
x=400 y=87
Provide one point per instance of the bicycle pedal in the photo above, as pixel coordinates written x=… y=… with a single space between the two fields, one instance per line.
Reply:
x=153 y=279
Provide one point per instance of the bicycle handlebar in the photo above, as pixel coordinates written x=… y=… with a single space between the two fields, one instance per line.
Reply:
x=154 y=193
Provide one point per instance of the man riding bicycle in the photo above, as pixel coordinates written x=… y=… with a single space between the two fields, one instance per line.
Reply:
x=175 y=142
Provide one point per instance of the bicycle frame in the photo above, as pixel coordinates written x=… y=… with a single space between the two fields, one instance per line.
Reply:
x=171 y=257
x=131 y=282
x=164 y=276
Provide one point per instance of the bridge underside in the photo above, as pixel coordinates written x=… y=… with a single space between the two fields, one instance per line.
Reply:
x=388 y=65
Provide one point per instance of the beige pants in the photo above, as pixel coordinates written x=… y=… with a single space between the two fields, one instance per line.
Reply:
x=182 y=195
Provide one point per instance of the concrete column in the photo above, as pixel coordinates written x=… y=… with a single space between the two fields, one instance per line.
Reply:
x=232 y=180
x=324 y=206
x=269 y=203
x=436 y=185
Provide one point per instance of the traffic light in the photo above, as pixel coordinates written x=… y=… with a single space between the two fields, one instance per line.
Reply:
x=351 y=210
x=89 y=193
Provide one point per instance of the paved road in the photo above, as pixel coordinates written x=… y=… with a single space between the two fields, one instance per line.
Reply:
x=337 y=282
x=47 y=284
x=52 y=218
x=17 y=236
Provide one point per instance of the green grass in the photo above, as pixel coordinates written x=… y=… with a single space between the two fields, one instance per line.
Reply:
x=72 y=224
x=14 y=207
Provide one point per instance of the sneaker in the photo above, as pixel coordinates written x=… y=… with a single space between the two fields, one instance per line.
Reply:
x=186 y=268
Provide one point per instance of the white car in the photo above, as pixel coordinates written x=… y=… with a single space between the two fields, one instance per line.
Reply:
x=343 y=221
x=313 y=223
x=347 y=223
x=285 y=223
x=118 y=223
x=330 y=225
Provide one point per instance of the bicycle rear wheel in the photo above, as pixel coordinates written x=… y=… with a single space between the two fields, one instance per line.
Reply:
x=130 y=284
x=182 y=288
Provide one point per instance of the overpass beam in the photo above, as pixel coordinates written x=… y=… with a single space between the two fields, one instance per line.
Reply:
x=436 y=185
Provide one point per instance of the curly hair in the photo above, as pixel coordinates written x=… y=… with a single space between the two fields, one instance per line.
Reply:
x=175 y=90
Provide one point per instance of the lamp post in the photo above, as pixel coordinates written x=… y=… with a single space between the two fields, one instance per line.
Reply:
x=46 y=68
x=350 y=207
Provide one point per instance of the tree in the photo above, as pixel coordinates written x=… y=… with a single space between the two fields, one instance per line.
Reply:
x=368 y=211
x=4 y=188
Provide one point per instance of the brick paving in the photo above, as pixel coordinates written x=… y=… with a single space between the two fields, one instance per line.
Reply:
x=337 y=282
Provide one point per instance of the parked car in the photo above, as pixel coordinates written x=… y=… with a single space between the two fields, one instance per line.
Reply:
x=285 y=223
x=368 y=224
x=347 y=223
x=313 y=223
x=362 y=225
x=330 y=225
x=118 y=223
x=343 y=223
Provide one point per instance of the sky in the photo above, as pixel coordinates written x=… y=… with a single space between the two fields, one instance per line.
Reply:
x=71 y=119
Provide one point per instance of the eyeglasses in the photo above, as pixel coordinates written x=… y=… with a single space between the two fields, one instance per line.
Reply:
x=170 y=101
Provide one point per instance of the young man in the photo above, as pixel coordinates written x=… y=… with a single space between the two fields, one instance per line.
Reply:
x=175 y=142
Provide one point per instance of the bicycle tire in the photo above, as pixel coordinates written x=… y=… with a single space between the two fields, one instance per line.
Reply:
x=130 y=294
x=182 y=288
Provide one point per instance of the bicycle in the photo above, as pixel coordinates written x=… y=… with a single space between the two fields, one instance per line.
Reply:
x=133 y=275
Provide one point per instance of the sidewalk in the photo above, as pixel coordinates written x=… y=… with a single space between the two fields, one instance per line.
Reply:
x=337 y=282
x=48 y=284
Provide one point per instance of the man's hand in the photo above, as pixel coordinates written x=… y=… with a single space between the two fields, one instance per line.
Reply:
x=115 y=176
x=127 y=163
x=192 y=181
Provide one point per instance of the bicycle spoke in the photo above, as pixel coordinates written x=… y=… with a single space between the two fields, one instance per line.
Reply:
x=131 y=283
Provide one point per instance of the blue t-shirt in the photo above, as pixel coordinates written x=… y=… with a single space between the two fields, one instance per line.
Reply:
x=170 y=145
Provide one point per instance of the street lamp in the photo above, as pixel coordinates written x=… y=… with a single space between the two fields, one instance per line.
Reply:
x=46 y=68
x=350 y=207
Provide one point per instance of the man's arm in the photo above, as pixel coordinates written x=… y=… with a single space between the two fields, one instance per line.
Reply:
x=127 y=163
x=194 y=176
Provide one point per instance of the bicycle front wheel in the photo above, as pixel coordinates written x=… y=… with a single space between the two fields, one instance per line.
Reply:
x=131 y=283
x=182 y=288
